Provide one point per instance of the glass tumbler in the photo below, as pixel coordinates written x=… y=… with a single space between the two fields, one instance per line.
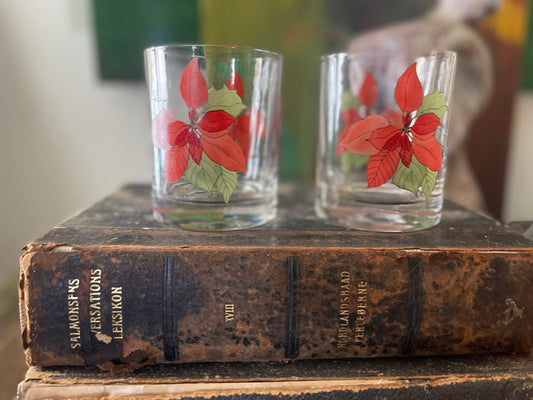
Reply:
x=215 y=131
x=381 y=156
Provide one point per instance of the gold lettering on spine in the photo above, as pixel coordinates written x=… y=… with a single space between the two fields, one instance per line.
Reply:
x=95 y=313
x=343 y=334
x=361 y=311
x=352 y=311
x=117 y=317
x=229 y=312
x=73 y=305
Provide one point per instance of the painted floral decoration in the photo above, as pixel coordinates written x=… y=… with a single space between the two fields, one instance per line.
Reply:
x=212 y=147
x=401 y=146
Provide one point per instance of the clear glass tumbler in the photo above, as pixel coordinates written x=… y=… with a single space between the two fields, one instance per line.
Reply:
x=381 y=157
x=215 y=130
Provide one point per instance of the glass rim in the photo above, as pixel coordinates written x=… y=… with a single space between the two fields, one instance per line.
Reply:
x=385 y=52
x=256 y=52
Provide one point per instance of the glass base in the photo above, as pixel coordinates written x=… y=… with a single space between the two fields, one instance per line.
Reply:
x=387 y=209
x=214 y=216
x=379 y=220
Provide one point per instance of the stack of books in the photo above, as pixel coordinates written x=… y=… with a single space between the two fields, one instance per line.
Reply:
x=115 y=305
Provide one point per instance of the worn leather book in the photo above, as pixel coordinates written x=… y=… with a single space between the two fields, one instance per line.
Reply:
x=477 y=377
x=114 y=288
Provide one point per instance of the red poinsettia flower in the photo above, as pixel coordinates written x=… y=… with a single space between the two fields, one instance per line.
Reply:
x=204 y=135
x=389 y=140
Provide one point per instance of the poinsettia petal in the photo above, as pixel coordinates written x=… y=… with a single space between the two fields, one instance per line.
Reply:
x=160 y=123
x=356 y=140
x=350 y=116
x=195 y=149
x=393 y=142
x=224 y=151
x=408 y=92
x=178 y=133
x=394 y=117
x=176 y=161
x=368 y=93
x=216 y=134
x=382 y=138
x=428 y=152
x=215 y=121
x=241 y=136
x=406 y=150
x=243 y=122
x=248 y=126
x=340 y=147
x=235 y=83
x=381 y=167
x=425 y=137
x=406 y=156
x=193 y=86
x=425 y=124
x=253 y=123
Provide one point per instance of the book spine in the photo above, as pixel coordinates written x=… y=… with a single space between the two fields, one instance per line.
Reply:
x=126 y=306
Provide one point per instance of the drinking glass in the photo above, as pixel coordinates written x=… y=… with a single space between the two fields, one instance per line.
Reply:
x=381 y=158
x=215 y=131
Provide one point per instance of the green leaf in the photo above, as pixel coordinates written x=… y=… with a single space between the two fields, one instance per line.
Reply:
x=433 y=103
x=351 y=161
x=415 y=176
x=226 y=183
x=226 y=100
x=408 y=178
x=203 y=175
x=211 y=177
x=428 y=183
x=349 y=101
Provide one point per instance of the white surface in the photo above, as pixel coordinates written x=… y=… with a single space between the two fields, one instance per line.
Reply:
x=68 y=138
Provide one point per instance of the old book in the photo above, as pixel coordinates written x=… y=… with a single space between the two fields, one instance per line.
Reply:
x=113 y=288
x=476 y=377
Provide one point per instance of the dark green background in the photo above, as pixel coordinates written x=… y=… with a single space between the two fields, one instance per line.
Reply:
x=125 y=27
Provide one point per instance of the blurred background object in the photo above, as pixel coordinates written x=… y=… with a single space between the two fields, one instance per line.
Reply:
x=490 y=138
x=74 y=109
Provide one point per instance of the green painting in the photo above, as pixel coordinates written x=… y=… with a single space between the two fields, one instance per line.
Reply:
x=125 y=27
